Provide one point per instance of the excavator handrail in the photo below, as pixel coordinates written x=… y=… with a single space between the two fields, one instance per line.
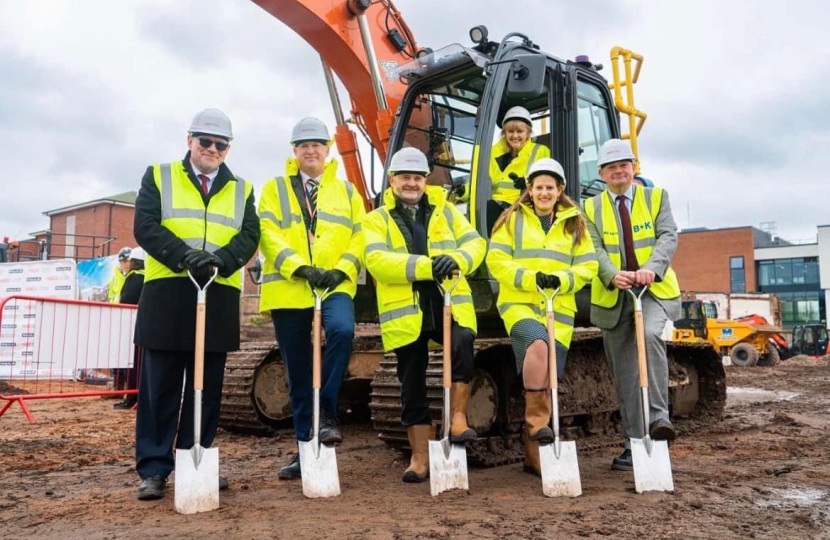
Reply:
x=636 y=117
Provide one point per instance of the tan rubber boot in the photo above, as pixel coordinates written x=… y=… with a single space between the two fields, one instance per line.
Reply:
x=532 y=463
x=419 y=437
x=460 y=432
x=537 y=416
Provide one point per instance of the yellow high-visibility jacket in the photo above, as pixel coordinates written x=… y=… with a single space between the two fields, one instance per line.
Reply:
x=644 y=208
x=284 y=240
x=387 y=259
x=115 y=285
x=520 y=249
x=183 y=212
x=503 y=189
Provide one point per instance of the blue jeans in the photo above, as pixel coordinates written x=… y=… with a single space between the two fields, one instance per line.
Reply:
x=293 y=329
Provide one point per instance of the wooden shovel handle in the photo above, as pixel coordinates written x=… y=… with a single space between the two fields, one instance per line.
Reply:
x=553 y=379
x=199 y=360
x=447 y=347
x=641 y=347
x=316 y=360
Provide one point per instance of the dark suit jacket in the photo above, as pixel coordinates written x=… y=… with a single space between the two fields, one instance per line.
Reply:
x=167 y=312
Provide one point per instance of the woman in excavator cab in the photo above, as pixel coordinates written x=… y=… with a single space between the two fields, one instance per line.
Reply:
x=541 y=241
x=510 y=161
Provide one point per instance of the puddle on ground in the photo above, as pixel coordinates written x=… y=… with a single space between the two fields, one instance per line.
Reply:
x=792 y=497
x=741 y=396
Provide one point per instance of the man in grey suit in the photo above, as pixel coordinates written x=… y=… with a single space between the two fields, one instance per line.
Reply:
x=635 y=238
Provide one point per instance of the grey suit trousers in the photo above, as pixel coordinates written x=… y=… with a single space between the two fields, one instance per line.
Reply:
x=621 y=351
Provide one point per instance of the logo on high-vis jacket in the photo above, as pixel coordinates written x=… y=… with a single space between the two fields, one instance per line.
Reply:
x=643 y=227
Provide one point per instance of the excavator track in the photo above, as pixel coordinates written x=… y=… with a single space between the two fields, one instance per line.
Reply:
x=588 y=401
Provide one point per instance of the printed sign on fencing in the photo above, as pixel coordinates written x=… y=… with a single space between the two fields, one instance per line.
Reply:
x=18 y=320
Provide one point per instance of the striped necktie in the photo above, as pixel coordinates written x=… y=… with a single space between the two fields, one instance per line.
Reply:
x=311 y=187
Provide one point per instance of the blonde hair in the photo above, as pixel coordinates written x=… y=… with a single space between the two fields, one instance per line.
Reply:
x=575 y=225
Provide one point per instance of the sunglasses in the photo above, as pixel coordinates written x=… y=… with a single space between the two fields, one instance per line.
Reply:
x=207 y=143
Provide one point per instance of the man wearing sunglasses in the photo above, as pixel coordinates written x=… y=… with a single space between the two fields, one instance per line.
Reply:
x=194 y=216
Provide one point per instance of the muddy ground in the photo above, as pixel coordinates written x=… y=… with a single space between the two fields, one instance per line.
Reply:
x=763 y=472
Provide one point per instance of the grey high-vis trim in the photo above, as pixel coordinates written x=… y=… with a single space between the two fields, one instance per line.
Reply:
x=469 y=237
x=443 y=244
x=517 y=281
x=199 y=243
x=644 y=242
x=411 y=265
x=450 y=218
x=271 y=217
x=282 y=255
x=543 y=254
x=352 y=259
x=585 y=257
x=507 y=305
x=398 y=313
x=331 y=218
x=269 y=278
x=285 y=204
x=467 y=258
x=498 y=246
x=462 y=299
x=612 y=248
x=357 y=227
x=562 y=318
x=570 y=275
x=376 y=246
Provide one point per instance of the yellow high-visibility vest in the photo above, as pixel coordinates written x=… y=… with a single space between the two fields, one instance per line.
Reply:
x=644 y=209
x=395 y=269
x=337 y=243
x=502 y=185
x=115 y=285
x=183 y=213
x=520 y=249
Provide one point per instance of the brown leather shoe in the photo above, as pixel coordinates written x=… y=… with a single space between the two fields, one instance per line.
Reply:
x=532 y=463
x=419 y=437
x=537 y=416
x=460 y=432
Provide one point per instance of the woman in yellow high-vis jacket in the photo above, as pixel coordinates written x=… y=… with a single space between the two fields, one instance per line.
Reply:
x=510 y=161
x=540 y=241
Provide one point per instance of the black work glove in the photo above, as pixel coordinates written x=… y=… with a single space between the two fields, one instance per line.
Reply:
x=199 y=262
x=458 y=189
x=518 y=181
x=332 y=278
x=547 y=281
x=311 y=274
x=443 y=266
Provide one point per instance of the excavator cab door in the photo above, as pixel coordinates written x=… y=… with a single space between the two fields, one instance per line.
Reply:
x=694 y=318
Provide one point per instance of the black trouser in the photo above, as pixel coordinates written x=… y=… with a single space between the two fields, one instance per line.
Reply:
x=159 y=401
x=412 y=370
x=494 y=211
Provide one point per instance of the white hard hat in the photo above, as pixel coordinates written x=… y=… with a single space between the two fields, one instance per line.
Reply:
x=517 y=113
x=614 y=150
x=124 y=253
x=409 y=159
x=549 y=166
x=137 y=254
x=212 y=122
x=310 y=129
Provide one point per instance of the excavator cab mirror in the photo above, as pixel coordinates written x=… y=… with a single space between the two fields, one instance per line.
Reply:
x=527 y=76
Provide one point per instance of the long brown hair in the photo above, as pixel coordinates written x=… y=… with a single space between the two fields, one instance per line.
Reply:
x=575 y=226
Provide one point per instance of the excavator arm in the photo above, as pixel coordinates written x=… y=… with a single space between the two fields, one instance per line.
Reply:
x=363 y=42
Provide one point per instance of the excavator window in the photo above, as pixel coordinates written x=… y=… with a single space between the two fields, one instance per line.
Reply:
x=594 y=128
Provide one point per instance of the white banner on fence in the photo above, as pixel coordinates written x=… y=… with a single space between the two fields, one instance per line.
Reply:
x=59 y=339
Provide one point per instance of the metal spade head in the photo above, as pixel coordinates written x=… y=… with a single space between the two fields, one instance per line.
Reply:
x=197 y=480
x=318 y=462
x=447 y=466
x=560 y=469
x=652 y=466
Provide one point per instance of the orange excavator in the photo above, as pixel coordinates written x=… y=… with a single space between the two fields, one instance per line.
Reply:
x=448 y=103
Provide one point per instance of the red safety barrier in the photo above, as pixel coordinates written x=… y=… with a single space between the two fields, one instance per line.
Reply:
x=53 y=348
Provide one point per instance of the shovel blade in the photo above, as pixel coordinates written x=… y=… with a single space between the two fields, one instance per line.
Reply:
x=652 y=470
x=447 y=466
x=196 y=489
x=318 y=464
x=560 y=475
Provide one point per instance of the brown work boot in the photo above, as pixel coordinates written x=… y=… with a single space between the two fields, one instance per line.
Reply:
x=532 y=464
x=537 y=416
x=460 y=432
x=419 y=437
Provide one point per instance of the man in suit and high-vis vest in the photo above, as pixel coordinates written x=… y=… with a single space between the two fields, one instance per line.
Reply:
x=191 y=215
x=311 y=238
x=635 y=237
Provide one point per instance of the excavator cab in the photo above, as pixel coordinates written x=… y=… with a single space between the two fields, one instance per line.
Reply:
x=809 y=339
x=694 y=317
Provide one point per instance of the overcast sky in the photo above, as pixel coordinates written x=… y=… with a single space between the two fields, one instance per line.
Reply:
x=92 y=91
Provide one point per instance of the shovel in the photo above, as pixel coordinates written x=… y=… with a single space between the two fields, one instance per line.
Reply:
x=318 y=461
x=197 y=469
x=447 y=462
x=560 y=468
x=652 y=466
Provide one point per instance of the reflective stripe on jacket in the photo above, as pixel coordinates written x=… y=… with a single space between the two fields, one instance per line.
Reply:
x=284 y=240
x=502 y=185
x=521 y=249
x=644 y=209
x=395 y=269
x=183 y=212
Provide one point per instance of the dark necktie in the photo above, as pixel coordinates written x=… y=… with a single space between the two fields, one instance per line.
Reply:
x=625 y=221
x=311 y=188
x=204 y=180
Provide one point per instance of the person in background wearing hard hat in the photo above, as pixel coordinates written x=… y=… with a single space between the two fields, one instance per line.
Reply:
x=635 y=237
x=195 y=216
x=540 y=241
x=311 y=238
x=510 y=161
x=130 y=293
x=414 y=239
x=118 y=273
